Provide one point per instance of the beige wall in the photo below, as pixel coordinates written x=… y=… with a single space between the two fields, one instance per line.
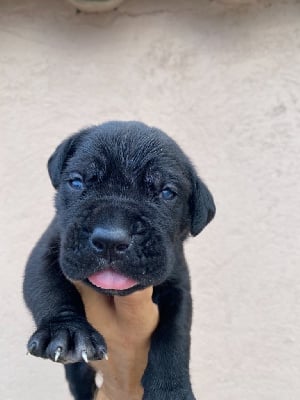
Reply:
x=225 y=83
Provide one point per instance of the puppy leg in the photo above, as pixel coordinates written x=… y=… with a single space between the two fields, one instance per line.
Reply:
x=167 y=373
x=63 y=333
x=81 y=378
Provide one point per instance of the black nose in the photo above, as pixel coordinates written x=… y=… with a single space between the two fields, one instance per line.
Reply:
x=110 y=240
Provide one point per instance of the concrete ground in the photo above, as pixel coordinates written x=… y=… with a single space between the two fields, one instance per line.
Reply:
x=223 y=80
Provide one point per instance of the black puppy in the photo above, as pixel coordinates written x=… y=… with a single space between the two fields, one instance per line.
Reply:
x=127 y=197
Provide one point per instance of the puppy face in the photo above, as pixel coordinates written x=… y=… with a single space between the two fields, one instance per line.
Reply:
x=126 y=199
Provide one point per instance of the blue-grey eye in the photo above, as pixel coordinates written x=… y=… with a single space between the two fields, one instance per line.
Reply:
x=168 y=194
x=76 y=183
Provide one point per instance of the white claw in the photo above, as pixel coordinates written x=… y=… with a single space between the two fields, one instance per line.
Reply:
x=105 y=356
x=84 y=356
x=57 y=354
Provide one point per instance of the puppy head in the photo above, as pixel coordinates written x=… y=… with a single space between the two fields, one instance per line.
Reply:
x=127 y=197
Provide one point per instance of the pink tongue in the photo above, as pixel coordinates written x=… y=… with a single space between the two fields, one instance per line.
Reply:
x=109 y=279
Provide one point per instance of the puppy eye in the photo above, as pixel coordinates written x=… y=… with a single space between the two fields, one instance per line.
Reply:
x=168 y=194
x=76 y=183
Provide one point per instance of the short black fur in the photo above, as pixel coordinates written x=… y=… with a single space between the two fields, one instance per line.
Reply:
x=133 y=178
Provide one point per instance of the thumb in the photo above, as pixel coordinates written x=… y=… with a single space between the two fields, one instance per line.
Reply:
x=135 y=300
x=137 y=309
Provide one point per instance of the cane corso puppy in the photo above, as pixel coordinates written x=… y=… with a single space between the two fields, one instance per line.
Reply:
x=127 y=197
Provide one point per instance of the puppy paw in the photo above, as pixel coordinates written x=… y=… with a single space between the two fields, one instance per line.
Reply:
x=168 y=395
x=67 y=340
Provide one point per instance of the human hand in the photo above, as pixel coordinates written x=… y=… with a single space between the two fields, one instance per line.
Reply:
x=126 y=323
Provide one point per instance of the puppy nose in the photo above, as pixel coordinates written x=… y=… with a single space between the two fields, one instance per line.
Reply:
x=108 y=239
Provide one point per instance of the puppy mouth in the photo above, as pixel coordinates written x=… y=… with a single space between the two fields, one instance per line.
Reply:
x=109 y=279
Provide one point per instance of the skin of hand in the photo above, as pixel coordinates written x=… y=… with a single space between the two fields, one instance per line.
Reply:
x=126 y=323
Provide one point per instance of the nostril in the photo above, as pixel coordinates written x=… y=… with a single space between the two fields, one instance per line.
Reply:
x=98 y=244
x=120 y=248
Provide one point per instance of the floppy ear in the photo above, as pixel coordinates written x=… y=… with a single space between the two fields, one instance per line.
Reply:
x=202 y=206
x=59 y=158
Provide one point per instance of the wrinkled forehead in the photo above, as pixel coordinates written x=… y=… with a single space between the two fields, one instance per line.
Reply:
x=130 y=153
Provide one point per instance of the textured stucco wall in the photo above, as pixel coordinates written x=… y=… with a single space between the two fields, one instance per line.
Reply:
x=224 y=82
